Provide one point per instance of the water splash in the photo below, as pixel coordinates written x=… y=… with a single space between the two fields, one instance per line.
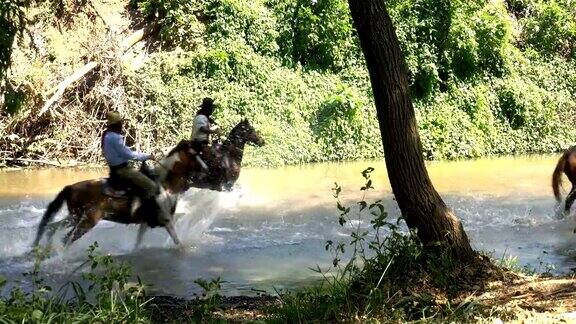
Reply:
x=198 y=210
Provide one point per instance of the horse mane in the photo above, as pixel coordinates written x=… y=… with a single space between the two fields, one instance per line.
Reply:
x=237 y=127
x=235 y=130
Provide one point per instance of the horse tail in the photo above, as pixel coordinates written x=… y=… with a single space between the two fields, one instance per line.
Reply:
x=51 y=211
x=557 y=175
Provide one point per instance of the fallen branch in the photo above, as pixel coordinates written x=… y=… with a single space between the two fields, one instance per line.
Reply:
x=66 y=83
x=137 y=36
x=127 y=43
x=45 y=162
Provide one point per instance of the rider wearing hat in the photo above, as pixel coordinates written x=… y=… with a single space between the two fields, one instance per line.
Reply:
x=117 y=155
x=203 y=126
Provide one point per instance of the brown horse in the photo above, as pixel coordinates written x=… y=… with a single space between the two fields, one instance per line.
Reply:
x=225 y=160
x=88 y=203
x=567 y=165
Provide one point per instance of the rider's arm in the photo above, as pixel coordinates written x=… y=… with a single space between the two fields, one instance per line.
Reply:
x=210 y=129
x=124 y=152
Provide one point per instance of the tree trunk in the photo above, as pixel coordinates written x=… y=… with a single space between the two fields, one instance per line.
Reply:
x=421 y=205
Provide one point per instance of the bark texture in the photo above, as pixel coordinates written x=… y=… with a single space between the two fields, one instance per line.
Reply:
x=421 y=205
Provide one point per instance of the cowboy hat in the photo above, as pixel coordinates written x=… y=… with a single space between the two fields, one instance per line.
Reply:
x=208 y=103
x=113 y=117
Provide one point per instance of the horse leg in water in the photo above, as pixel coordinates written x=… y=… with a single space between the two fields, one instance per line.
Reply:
x=53 y=227
x=86 y=223
x=140 y=237
x=569 y=201
x=172 y=232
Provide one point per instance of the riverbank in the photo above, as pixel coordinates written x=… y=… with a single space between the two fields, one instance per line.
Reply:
x=517 y=299
x=490 y=293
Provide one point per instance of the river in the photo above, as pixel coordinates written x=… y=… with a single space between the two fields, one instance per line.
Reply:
x=267 y=235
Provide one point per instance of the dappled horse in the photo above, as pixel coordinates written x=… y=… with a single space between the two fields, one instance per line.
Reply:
x=90 y=201
x=567 y=165
x=225 y=160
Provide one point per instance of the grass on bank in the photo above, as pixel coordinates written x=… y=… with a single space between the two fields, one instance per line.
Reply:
x=106 y=294
x=108 y=298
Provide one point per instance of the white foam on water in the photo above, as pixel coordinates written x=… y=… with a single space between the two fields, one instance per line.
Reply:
x=217 y=229
x=197 y=211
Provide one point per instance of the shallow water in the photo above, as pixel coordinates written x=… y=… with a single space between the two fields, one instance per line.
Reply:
x=270 y=232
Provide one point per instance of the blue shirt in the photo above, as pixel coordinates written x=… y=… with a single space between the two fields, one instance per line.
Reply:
x=116 y=152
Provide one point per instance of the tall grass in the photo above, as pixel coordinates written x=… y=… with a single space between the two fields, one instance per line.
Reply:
x=109 y=296
x=108 y=293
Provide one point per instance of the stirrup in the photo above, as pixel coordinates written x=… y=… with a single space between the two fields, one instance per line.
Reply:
x=202 y=163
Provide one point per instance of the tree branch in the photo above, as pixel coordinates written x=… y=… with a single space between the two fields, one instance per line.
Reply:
x=59 y=90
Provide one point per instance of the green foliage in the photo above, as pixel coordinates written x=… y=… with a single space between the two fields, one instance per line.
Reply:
x=344 y=126
x=487 y=77
x=13 y=100
x=550 y=26
x=280 y=102
x=178 y=20
x=12 y=22
x=211 y=298
x=316 y=34
x=423 y=28
x=114 y=299
x=250 y=22
x=443 y=40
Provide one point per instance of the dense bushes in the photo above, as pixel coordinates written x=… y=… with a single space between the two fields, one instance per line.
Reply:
x=550 y=26
x=488 y=77
x=282 y=104
x=295 y=69
x=316 y=34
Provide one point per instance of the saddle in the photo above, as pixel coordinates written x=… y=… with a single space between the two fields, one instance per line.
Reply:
x=121 y=190
x=116 y=190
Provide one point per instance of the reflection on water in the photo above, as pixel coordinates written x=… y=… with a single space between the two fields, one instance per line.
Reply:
x=527 y=176
x=272 y=230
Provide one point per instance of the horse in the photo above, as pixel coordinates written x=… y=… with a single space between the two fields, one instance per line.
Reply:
x=224 y=160
x=567 y=165
x=90 y=201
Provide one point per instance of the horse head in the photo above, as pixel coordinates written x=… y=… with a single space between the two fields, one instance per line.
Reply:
x=246 y=132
